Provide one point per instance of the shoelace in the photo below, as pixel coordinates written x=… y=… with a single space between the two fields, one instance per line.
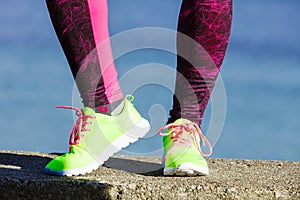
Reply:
x=177 y=136
x=79 y=125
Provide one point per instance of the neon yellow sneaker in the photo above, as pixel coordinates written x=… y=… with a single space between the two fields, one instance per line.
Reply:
x=182 y=152
x=95 y=137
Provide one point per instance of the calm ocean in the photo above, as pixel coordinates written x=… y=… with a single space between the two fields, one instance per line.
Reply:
x=260 y=73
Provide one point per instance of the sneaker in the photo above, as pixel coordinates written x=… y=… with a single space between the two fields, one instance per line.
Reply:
x=182 y=152
x=95 y=137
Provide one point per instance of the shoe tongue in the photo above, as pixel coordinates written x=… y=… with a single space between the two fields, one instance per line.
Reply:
x=74 y=148
x=88 y=111
x=182 y=121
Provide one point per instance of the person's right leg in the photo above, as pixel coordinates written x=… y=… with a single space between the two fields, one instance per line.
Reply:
x=82 y=29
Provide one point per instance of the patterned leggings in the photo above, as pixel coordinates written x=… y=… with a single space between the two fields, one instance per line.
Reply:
x=206 y=22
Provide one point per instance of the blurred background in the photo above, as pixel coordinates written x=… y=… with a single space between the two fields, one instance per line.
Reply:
x=260 y=72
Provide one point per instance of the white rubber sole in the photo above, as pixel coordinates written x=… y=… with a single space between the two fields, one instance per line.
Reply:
x=186 y=169
x=131 y=136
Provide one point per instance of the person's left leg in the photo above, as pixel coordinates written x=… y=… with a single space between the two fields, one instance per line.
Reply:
x=204 y=28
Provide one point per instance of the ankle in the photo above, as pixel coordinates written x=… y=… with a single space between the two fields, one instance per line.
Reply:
x=113 y=109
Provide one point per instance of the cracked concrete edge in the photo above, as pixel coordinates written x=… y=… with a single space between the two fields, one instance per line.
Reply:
x=22 y=177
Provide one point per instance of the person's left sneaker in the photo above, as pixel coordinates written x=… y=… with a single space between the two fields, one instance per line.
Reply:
x=95 y=137
x=182 y=152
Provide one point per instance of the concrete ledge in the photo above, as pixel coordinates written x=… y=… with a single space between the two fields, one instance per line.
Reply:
x=22 y=176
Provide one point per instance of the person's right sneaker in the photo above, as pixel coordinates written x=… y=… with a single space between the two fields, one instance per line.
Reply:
x=182 y=152
x=95 y=137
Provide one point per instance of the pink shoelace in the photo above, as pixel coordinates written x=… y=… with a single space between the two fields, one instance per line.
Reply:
x=79 y=125
x=179 y=140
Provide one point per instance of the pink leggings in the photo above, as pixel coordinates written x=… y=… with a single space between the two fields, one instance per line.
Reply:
x=81 y=25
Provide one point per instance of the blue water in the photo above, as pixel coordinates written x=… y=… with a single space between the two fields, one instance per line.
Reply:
x=261 y=76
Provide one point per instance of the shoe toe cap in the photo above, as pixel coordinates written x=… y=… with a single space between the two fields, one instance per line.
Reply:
x=56 y=166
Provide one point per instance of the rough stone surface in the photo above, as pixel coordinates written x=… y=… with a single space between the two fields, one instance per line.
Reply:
x=22 y=176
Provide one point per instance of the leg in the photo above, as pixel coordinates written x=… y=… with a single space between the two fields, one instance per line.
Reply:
x=203 y=34
x=208 y=22
x=81 y=26
x=82 y=29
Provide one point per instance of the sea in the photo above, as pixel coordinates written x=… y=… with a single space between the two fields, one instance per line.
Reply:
x=255 y=107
